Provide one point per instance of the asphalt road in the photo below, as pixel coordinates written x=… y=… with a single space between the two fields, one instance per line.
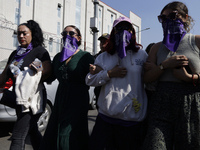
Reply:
x=6 y=132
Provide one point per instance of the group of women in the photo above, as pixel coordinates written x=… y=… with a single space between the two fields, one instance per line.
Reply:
x=173 y=110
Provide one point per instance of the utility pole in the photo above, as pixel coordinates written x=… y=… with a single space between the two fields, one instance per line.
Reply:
x=93 y=26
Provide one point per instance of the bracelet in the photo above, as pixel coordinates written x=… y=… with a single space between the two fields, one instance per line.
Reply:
x=198 y=79
x=193 y=80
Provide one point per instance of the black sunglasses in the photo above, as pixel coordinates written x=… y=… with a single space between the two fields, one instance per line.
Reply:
x=71 y=33
x=119 y=28
x=172 y=16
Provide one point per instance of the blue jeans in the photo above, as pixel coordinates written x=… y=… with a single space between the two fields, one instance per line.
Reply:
x=26 y=124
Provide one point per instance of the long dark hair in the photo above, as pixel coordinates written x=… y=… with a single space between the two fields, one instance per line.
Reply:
x=77 y=30
x=37 y=35
x=134 y=46
x=183 y=11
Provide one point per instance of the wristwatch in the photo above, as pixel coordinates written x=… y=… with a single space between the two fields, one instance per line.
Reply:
x=161 y=66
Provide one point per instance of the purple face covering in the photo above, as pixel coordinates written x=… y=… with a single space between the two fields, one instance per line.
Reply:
x=173 y=33
x=122 y=39
x=22 y=52
x=69 y=48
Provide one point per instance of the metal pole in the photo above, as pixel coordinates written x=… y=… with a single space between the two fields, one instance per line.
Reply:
x=95 y=32
x=143 y=30
x=33 y=10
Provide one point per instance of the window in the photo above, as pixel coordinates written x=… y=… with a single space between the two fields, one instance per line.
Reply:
x=17 y=16
x=58 y=46
x=59 y=11
x=78 y=3
x=58 y=28
x=27 y=2
x=50 y=46
x=100 y=20
x=99 y=13
x=78 y=14
x=111 y=18
x=99 y=26
x=136 y=32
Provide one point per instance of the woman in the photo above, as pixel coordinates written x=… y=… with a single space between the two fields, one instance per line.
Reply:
x=68 y=124
x=174 y=109
x=29 y=109
x=122 y=101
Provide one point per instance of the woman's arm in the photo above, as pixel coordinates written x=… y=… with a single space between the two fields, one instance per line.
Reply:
x=114 y=72
x=153 y=72
x=101 y=77
x=181 y=72
x=47 y=70
x=197 y=41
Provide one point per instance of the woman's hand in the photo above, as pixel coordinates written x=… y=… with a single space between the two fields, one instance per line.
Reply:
x=36 y=66
x=117 y=72
x=182 y=74
x=175 y=61
x=94 y=69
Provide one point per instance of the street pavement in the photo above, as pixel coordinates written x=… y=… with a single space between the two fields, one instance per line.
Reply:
x=6 y=132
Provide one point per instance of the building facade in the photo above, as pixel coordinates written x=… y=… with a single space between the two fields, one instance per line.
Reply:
x=53 y=16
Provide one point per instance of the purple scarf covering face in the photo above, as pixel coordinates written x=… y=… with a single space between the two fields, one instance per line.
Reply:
x=173 y=33
x=122 y=40
x=22 y=52
x=69 y=48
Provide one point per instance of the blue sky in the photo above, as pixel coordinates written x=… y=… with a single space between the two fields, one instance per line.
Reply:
x=148 y=10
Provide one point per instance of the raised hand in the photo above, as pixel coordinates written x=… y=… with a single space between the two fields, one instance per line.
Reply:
x=36 y=65
x=94 y=69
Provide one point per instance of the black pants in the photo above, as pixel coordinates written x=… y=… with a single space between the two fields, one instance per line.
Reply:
x=106 y=136
x=26 y=124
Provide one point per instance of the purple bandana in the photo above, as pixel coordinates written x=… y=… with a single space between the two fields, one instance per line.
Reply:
x=69 y=48
x=173 y=33
x=122 y=39
x=22 y=52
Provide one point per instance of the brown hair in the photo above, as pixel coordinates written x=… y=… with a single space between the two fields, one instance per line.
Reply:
x=183 y=11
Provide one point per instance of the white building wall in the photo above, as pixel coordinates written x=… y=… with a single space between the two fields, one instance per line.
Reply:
x=45 y=12
x=136 y=23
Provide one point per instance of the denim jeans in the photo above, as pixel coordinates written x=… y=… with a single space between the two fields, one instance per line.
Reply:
x=26 y=124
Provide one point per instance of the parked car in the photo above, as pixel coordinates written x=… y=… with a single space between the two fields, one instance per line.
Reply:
x=8 y=114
